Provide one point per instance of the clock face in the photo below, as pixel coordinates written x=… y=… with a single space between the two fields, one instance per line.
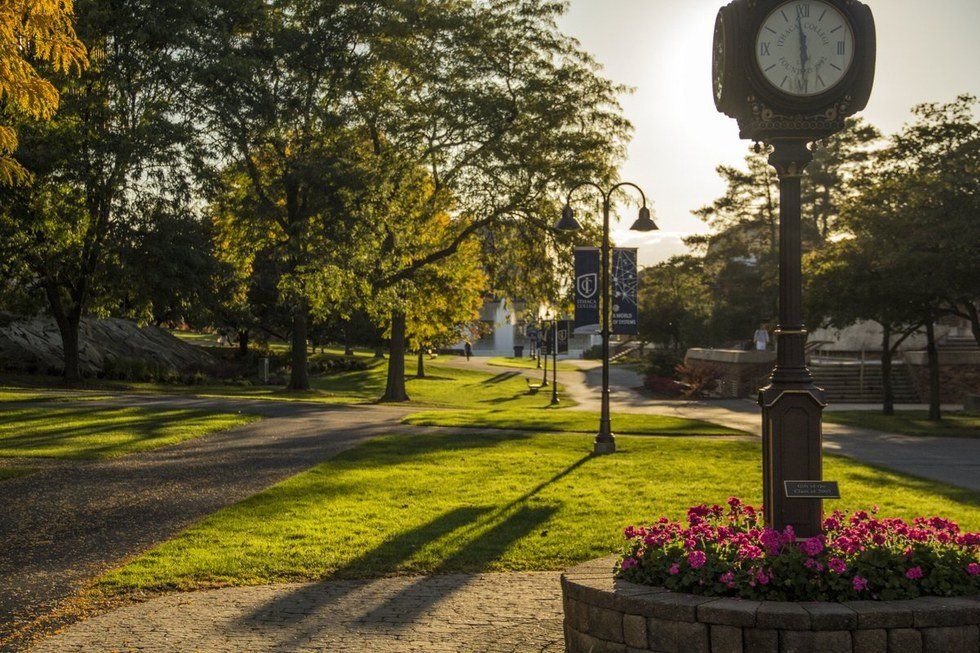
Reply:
x=805 y=48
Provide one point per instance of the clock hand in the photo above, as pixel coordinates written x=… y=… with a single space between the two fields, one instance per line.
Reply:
x=804 y=55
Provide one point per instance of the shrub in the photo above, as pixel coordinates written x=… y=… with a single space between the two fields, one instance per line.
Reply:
x=728 y=552
x=664 y=386
x=337 y=364
x=700 y=378
x=663 y=363
x=592 y=353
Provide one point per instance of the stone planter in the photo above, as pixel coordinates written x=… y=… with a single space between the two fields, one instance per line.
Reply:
x=607 y=615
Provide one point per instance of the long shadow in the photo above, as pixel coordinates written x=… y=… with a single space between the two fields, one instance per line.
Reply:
x=465 y=524
x=500 y=378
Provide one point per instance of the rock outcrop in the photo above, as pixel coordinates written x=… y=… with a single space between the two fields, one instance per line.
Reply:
x=33 y=345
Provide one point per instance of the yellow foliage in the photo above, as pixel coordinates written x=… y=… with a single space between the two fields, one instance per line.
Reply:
x=33 y=32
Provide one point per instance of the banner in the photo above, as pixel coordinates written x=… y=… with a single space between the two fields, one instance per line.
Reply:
x=586 y=290
x=564 y=334
x=624 y=292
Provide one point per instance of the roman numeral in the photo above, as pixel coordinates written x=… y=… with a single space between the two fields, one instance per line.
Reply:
x=770 y=68
x=841 y=50
x=820 y=20
x=785 y=17
x=803 y=10
x=783 y=83
x=833 y=65
x=835 y=29
x=771 y=30
x=764 y=49
x=820 y=79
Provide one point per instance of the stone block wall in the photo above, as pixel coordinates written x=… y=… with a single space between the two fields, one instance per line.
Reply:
x=743 y=372
x=959 y=374
x=607 y=615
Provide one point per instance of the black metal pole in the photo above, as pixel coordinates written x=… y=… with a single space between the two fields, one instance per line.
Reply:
x=792 y=405
x=554 y=365
x=544 y=380
x=605 y=442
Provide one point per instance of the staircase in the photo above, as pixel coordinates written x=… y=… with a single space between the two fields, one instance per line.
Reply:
x=844 y=382
x=958 y=343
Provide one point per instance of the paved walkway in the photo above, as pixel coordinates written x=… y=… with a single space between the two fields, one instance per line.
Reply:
x=951 y=460
x=478 y=613
x=71 y=520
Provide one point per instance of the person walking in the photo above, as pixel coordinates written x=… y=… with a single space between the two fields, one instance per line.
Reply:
x=467 y=350
x=761 y=338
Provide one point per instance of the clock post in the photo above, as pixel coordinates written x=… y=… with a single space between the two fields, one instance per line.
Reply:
x=791 y=72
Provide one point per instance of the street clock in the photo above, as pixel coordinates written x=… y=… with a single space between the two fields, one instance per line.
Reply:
x=793 y=69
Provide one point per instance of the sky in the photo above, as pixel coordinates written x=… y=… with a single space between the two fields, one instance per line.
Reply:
x=928 y=51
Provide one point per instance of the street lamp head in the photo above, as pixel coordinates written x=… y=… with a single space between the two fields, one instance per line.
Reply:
x=644 y=222
x=568 y=221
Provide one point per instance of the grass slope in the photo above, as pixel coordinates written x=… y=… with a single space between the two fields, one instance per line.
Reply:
x=530 y=364
x=550 y=420
x=454 y=503
x=953 y=425
x=98 y=432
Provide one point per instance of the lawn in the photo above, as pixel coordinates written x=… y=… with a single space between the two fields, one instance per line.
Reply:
x=547 y=419
x=442 y=386
x=474 y=502
x=97 y=432
x=530 y=364
x=953 y=425
x=27 y=394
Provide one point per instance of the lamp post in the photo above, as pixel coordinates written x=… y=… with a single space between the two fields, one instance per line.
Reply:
x=605 y=441
x=554 y=362
x=544 y=379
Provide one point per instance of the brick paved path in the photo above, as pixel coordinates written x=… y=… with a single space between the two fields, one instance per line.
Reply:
x=463 y=613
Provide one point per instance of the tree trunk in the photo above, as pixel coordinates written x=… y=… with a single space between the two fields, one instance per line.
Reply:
x=888 y=400
x=971 y=309
x=935 y=410
x=299 y=378
x=420 y=371
x=379 y=351
x=395 y=389
x=68 y=323
x=347 y=348
x=243 y=343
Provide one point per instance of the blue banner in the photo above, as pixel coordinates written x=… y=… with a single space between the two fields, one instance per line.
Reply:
x=625 y=283
x=586 y=290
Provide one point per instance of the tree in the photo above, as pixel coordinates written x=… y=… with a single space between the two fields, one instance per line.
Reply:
x=32 y=32
x=443 y=300
x=114 y=138
x=674 y=303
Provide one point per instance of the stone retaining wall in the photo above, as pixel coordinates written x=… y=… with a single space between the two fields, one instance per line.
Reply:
x=607 y=615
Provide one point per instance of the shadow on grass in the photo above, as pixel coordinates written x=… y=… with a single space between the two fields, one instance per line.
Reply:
x=484 y=534
x=500 y=378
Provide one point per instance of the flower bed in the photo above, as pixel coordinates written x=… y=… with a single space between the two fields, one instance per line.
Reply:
x=727 y=552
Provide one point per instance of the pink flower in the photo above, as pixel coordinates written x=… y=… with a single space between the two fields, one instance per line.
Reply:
x=859 y=584
x=836 y=565
x=812 y=546
x=697 y=559
x=915 y=573
x=674 y=569
x=973 y=568
x=728 y=578
x=628 y=563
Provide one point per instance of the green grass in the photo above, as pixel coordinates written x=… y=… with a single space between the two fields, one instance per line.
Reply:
x=530 y=364
x=474 y=502
x=953 y=425
x=27 y=394
x=97 y=432
x=442 y=386
x=546 y=419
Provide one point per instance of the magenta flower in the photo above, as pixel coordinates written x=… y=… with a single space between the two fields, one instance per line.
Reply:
x=628 y=563
x=915 y=573
x=837 y=565
x=728 y=578
x=696 y=559
x=859 y=584
x=812 y=547
x=973 y=568
x=674 y=569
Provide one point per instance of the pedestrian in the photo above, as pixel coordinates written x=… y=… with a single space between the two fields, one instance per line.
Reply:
x=761 y=338
x=467 y=350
